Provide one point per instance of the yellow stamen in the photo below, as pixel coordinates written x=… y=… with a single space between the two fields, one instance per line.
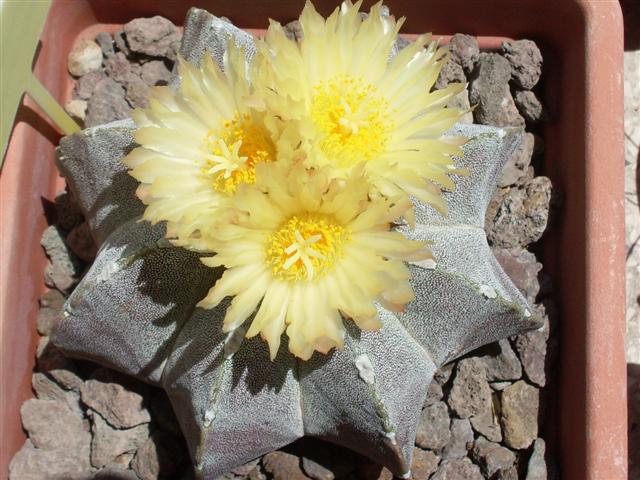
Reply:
x=353 y=119
x=305 y=247
x=234 y=150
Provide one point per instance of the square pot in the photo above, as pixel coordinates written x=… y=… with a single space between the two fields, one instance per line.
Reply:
x=584 y=252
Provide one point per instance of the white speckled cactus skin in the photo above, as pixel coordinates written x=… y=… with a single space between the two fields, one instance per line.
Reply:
x=135 y=311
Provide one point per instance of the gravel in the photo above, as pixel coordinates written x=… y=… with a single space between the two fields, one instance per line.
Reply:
x=470 y=393
x=85 y=56
x=480 y=418
x=537 y=467
x=457 y=470
x=519 y=418
x=492 y=457
x=283 y=465
x=424 y=463
x=109 y=443
x=489 y=90
x=518 y=165
x=502 y=364
x=124 y=66
x=529 y=106
x=51 y=303
x=107 y=103
x=122 y=407
x=155 y=37
x=77 y=109
x=464 y=51
x=525 y=60
x=460 y=441
x=433 y=428
x=517 y=217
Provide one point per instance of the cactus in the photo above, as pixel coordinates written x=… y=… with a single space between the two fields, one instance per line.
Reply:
x=135 y=311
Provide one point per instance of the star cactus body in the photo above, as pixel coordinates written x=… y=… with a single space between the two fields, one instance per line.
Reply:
x=136 y=309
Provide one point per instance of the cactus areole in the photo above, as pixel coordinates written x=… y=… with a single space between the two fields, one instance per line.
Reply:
x=291 y=238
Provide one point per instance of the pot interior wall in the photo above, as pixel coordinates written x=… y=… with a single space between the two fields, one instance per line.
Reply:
x=582 y=45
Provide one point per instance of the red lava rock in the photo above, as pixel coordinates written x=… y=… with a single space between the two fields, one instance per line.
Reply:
x=118 y=405
x=464 y=50
x=107 y=443
x=50 y=313
x=526 y=62
x=433 y=428
x=155 y=72
x=283 y=466
x=529 y=106
x=424 y=464
x=107 y=103
x=519 y=418
x=457 y=469
x=470 y=393
x=492 y=456
x=489 y=89
x=461 y=439
x=155 y=36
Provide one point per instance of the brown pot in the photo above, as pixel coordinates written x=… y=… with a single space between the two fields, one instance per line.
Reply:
x=582 y=45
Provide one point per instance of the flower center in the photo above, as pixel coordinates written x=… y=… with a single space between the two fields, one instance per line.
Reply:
x=233 y=152
x=353 y=118
x=306 y=246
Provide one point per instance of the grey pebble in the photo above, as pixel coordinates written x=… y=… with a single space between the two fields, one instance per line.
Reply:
x=537 y=467
x=451 y=72
x=487 y=423
x=155 y=72
x=424 y=463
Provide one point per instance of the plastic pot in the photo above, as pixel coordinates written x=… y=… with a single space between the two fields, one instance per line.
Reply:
x=584 y=252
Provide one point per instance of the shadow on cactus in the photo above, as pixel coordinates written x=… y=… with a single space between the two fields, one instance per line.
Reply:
x=303 y=243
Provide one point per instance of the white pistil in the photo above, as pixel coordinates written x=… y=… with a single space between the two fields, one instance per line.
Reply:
x=229 y=161
x=302 y=249
x=348 y=126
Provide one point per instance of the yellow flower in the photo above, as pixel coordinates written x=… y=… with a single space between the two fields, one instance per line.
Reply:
x=197 y=144
x=309 y=251
x=355 y=105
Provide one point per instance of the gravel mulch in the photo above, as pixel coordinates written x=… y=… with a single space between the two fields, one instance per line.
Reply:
x=484 y=415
